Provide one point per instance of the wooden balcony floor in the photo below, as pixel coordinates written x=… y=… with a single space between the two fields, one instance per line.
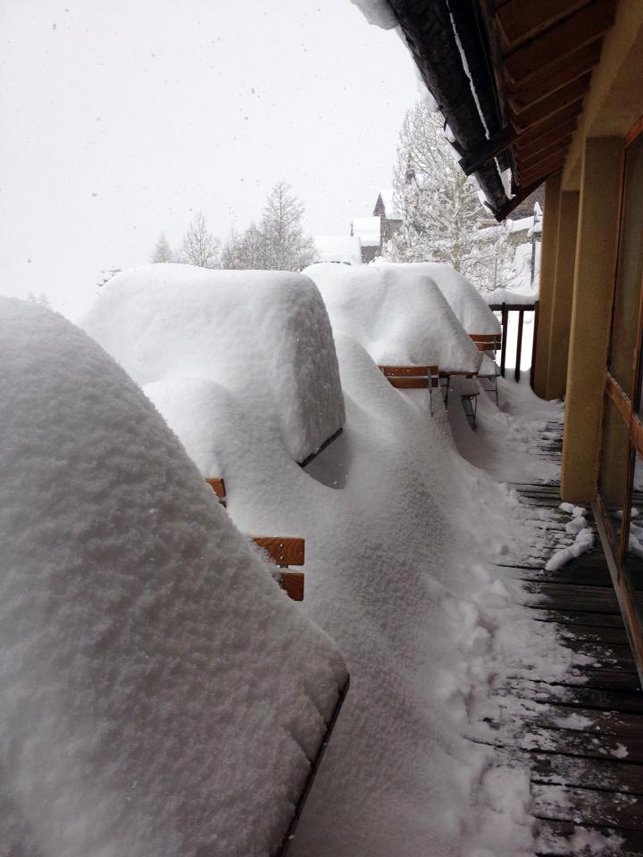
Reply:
x=586 y=775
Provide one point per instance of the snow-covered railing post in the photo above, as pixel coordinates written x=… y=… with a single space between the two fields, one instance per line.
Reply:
x=521 y=308
x=505 y=330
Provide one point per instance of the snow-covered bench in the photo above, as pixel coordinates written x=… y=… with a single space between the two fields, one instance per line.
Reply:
x=400 y=316
x=488 y=344
x=283 y=551
x=413 y=378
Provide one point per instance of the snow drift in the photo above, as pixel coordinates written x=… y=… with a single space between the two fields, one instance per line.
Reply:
x=263 y=335
x=397 y=313
x=465 y=300
x=158 y=693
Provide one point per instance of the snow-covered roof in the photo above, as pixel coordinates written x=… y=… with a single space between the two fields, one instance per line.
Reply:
x=464 y=299
x=263 y=335
x=158 y=691
x=338 y=248
x=397 y=313
x=368 y=230
x=390 y=209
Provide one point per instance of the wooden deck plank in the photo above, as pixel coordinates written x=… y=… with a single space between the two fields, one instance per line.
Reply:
x=583 y=740
x=584 y=806
x=603 y=774
x=553 y=840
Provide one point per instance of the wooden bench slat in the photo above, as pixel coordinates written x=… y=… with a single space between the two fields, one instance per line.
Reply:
x=396 y=371
x=283 y=550
x=409 y=383
x=411 y=377
x=292 y=582
x=218 y=486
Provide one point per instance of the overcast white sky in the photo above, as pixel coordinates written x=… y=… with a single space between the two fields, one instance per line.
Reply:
x=122 y=119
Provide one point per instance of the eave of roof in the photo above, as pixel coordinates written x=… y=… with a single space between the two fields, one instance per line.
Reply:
x=529 y=64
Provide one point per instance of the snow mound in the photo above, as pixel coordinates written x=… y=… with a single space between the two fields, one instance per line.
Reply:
x=397 y=313
x=262 y=334
x=158 y=693
x=465 y=300
x=506 y=296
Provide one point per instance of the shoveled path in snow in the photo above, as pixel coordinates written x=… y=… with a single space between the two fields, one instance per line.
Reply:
x=582 y=734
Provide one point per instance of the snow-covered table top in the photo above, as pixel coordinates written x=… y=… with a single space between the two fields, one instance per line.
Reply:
x=262 y=335
x=397 y=313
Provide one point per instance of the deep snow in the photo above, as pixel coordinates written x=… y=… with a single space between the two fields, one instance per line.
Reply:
x=263 y=335
x=397 y=313
x=404 y=541
x=159 y=694
x=465 y=300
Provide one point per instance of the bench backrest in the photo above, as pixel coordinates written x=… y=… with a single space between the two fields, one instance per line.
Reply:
x=487 y=341
x=412 y=377
x=282 y=550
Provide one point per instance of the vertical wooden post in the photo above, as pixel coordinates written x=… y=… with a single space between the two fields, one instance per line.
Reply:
x=505 y=326
x=549 y=249
x=561 y=310
x=521 y=319
x=601 y=179
x=534 y=346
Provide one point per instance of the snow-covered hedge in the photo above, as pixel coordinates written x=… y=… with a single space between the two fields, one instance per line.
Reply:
x=464 y=299
x=158 y=693
x=397 y=313
x=262 y=334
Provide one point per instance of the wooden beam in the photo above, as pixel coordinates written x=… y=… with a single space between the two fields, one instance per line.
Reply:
x=559 y=147
x=555 y=121
x=539 y=168
x=520 y=20
x=538 y=175
x=292 y=582
x=513 y=203
x=562 y=132
x=542 y=110
x=472 y=161
x=580 y=29
x=552 y=79
x=283 y=550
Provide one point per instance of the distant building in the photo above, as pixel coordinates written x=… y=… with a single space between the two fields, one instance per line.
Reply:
x=376 y=231
x=369 y=232
x=343 y=249
x=390 y=217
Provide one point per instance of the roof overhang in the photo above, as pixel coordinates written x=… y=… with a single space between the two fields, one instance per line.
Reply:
x=510 y=78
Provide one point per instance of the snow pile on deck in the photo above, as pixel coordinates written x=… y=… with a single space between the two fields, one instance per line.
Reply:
x=465 y=300
x=158 y=693
x=397 y=313
x=396 y=527
x=264 y=335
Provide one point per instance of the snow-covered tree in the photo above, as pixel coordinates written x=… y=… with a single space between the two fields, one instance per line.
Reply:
x=106 y=276
x=441 y=211
x=278 y=243
x=39 y=298
x=286 y=246
x=199 y=246
x=246 y=251
x=162 y=251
